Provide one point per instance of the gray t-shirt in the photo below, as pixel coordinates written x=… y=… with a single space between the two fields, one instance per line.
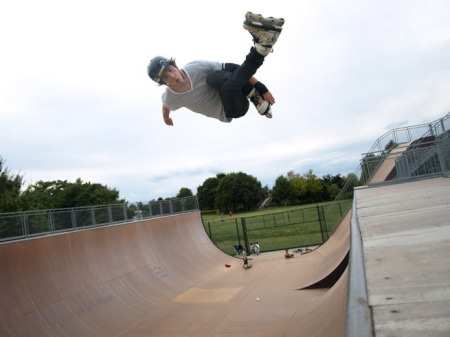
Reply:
x=201 y=97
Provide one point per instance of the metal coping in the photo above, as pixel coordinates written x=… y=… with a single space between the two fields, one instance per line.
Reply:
x=359 y=315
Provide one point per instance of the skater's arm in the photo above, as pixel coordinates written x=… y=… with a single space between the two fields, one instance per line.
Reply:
x=265 y=93
x=166 y=116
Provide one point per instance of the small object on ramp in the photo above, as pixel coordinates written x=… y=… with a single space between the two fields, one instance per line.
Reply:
x=227 y=265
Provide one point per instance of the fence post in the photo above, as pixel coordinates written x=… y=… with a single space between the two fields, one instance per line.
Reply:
x=125 y=216
x=440 y=157
x=51 y=223
x=110 y=214
x=319 y=215
x=442 y=125
x=237 y=231
x=93 y=216
x=340 y=209
x=161 y=208
x=196 y=204
x=209 y=231
x=324 y=221
x=170 y=206
x=244 y=233
x=150 y=210
x=25 y=229
x=73 y=218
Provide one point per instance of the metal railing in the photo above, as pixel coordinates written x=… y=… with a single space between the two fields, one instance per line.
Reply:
x=426 y=156
x=409 y=134
x=20 y=225
x=411 y=138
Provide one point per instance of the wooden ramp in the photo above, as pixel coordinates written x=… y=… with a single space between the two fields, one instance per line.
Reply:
x=164 y=277
x=388 y=164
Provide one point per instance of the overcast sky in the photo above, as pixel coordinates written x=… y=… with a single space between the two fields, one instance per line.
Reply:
x=75 y=99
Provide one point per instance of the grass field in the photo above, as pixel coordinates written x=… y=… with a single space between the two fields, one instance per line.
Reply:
x=277 y=228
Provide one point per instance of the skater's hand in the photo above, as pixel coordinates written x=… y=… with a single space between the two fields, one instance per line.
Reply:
x=166 y=116
x=268 y=97
x=168 y=121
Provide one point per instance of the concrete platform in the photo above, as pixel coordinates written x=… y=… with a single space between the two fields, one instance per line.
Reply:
x=405 y=230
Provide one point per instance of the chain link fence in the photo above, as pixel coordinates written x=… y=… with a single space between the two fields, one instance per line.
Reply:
x=19 y=225
x=308 y=226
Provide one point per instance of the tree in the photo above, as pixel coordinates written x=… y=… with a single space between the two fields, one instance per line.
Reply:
x=283 y=192
x=61 y=194
x=238 y=192
x=206 y=193
x=10 y=186
x=184 y=192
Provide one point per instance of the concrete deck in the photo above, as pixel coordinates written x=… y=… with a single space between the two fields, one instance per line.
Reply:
x=405 y=230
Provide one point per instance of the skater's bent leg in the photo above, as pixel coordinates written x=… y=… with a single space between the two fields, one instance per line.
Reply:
x=218 y=78
x=235 y=103
x=246 y=70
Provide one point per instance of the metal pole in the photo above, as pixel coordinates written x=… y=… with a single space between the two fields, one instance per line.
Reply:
x=209 y=230
x=51 y=224
x=197 y=205
x=237 y=231
x=125 y=216
x=442 y=125
x=325 y=221
x=73 y=218
x=93 y=216
x=150 y=211
x=340 y=209
x=110 y=214
x=244 y=233
x=319 y=216
x=25 y=230
x=160 y=208
x=170 y=206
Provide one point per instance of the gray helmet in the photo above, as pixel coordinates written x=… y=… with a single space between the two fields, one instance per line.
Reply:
x=156 y=67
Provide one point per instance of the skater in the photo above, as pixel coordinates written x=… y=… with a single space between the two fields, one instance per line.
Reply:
x=245 y=259
x=220 y=90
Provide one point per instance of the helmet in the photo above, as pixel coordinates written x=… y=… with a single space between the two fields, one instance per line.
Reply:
x=156 y=67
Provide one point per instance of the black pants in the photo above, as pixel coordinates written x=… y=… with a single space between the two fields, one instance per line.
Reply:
x=233 y=86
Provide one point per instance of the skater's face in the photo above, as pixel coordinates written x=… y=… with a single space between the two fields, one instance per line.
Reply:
x=172 y=75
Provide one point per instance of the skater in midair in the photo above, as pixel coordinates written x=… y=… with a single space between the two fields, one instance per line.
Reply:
x=220 y=90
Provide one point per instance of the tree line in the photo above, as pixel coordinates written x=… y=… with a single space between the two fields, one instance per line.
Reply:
x=226 y=192
x=237 y=192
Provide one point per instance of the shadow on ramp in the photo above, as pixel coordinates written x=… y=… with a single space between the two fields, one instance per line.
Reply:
x=331 y=279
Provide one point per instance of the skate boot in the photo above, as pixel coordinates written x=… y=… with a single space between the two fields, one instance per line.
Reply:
x=262 y=106
x=265 y=31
